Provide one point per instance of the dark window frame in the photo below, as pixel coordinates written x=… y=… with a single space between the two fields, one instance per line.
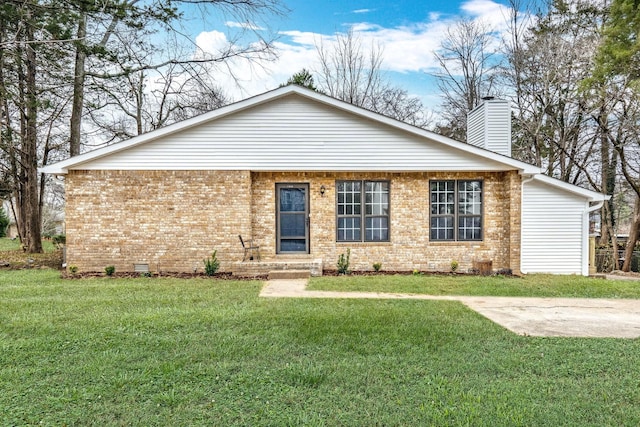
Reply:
x=362 y=216
x=457 y=215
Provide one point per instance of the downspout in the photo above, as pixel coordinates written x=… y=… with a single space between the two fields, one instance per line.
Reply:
x=585 y=236
x=524 y=181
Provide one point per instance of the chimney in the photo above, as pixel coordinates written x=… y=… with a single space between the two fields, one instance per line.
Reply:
x=489 y=126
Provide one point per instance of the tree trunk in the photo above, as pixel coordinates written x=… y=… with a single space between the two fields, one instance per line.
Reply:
x=608 y=166
x=633 y=236
x=31 y=211
x=78 y=87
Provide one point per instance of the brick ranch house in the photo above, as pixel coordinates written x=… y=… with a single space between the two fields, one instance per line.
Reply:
x=307 y=177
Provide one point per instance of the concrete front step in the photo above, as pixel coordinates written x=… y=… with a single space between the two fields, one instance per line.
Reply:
x=289 y=274
x=265 y=267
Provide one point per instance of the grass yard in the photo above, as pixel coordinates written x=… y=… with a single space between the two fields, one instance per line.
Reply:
x=7 y=244
x=150 y=351
x=533 y=285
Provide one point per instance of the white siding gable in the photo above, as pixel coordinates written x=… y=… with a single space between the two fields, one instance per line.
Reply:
x=293 y=133
x=553 y=230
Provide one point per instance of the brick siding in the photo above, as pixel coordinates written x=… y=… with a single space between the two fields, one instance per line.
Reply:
x=173 y=219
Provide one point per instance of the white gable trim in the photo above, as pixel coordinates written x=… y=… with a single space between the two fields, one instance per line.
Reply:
x=591 y=196
x=77 y=161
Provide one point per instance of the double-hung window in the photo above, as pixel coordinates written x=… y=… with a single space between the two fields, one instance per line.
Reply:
x=456 y=210
x=362 y=211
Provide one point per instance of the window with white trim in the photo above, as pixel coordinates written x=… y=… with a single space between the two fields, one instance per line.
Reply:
x=362 y=209
x=456 y=210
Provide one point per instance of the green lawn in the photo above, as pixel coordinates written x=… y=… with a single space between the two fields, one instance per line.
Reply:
x=7 y=244
x=203 y=352
x=533 y=285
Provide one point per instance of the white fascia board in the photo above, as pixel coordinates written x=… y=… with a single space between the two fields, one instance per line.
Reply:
x=592 y=196
x=62 y=167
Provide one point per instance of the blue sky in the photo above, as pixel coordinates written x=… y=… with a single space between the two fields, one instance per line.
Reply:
x=409 y=32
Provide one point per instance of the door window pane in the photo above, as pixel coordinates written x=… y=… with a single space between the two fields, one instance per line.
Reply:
x=292 y=225
x=292 y=200
x=293 y=245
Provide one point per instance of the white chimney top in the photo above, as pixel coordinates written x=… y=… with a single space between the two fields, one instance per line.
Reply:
x=489 y=126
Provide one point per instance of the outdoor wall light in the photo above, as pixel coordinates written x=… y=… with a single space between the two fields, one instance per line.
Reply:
x=323 y=190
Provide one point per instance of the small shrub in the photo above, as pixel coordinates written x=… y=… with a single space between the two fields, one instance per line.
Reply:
x=343 y=263
x=146 y=274
x=417 y=272
x=454 y=265
x=73 y=269
x=377 y=266
x=211 y=265
x=59 y=240
x=109 y=270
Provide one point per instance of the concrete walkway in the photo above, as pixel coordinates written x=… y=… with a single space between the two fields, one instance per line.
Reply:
x=544 y=317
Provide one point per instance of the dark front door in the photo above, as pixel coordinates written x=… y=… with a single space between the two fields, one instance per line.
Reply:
x=292 y=218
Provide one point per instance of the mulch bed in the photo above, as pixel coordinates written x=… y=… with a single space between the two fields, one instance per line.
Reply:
x=412 y=273
x=175 y=275
x=230 y=276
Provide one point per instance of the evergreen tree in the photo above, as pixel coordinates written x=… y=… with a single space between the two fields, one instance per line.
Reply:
x=302 y=78
x=4 y=222
x=620 y=50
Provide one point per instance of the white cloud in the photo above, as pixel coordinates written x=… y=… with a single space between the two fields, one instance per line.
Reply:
x=362 y=10
x=212 y=42
x=406 y=49
x=243 y=25
x=486 y=9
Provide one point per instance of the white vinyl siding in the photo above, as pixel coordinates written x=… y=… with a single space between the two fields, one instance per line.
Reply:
x=489 y=126
x=553 y=230
x=293 y=133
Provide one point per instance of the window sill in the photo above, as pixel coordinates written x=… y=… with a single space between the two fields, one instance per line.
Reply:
x=456 y=242
x=363 y=244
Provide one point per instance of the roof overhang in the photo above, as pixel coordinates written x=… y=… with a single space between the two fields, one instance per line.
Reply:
x=591 y=196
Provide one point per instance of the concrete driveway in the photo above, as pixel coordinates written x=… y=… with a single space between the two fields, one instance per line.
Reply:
x=542 y=317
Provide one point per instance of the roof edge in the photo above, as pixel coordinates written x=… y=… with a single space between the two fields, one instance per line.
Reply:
x=592 y=196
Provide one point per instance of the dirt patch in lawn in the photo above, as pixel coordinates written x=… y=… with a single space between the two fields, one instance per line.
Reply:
x=17 y=260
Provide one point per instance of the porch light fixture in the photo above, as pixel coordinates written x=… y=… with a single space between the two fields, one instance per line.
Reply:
x=323 y=190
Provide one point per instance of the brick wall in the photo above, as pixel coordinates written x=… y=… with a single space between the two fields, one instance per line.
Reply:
x=173 y=219
x=409 y=247
x=168 y=219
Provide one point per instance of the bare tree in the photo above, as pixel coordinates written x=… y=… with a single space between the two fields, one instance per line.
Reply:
x=97 y=50
x=624 y=135
x=468 y=72
x=349 y=73
x=57 y=55
x=151 y=100
x=353 y=74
